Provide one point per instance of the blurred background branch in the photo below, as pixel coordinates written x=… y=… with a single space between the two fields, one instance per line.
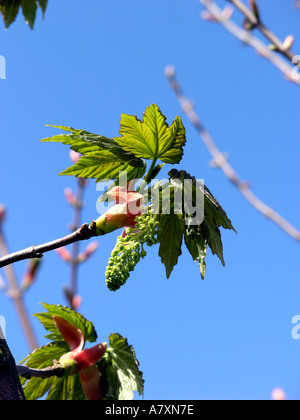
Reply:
x=75 y=258
x=10 y=286
x=220 y=160
x=253 y=21
x=213 y=13
x=15 y=291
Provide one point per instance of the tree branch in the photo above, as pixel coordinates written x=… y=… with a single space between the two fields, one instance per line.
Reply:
x=289 y=71
x=221 y=161
x=10 y=385
x=83 y=233
x=270 y=36
x=15 y=294
x=28 y=373
x=75 y=251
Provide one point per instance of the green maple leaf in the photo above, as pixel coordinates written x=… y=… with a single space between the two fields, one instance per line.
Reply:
x=152 y=138
x=43 y=5
x=198 y=236
x=67 y=387
x=29 y=8
x=69 y=315
x=197 y=246
x=120 y=370
x=10 y=9
x=102 y=158
x=103 y=166
x=42 y=358
x=171 y=228
x=119 y=366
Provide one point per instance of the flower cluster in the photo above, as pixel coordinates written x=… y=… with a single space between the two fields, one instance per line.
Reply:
x=129 y=250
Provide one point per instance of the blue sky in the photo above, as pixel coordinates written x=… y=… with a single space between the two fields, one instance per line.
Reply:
x=228 y=337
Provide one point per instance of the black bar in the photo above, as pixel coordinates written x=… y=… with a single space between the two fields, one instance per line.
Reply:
x=143 y=408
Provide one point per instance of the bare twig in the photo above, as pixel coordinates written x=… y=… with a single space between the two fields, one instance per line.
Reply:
x=75 y=251
x=16 y=295
x=221 y=161
x=28 y=373
x=270 y=36
x=85 y=232
x=289 y=71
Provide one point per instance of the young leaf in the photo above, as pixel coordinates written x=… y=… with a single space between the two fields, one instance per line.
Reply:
x=69 y=315
x=120 y=370
x=119 y=365
x=29 y=8
x=10 y=9
x=66 y=389
x=171 y=228
x=42 y=358
x=152 y=138
x=104 y=166
x=206 y=232
x=85 y=142
x=197 y=247
x=43 y=5
x=211 y=233
x=103 y=158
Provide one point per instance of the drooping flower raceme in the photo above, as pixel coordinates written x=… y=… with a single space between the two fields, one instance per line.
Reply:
x=130 y=249
x=81 y=361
